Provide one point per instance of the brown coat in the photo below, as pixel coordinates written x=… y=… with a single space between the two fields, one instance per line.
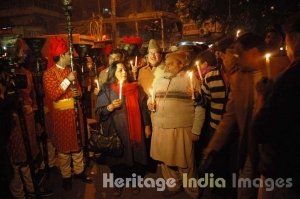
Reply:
x=239 y=110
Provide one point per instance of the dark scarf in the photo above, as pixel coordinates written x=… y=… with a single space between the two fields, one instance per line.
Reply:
x=130 y=91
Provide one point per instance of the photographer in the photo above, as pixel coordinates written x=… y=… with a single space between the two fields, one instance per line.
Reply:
x=5 y=126
x=19 y=154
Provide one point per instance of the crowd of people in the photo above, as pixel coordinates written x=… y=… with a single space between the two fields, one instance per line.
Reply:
x=223 y=110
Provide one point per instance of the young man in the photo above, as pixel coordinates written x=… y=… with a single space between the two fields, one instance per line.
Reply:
x=60 y=90
x=277 y=125
x=243 y=103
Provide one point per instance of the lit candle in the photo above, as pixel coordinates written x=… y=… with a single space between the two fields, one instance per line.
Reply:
x=135 y=67
x=120 y=88
x=199 y=70
x=135 y=61
x=238 y=33
x=97 y=83
x=151 y=95
x=191 y=81
x=267 y=56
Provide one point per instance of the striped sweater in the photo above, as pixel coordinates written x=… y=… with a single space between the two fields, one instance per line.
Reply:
x=214 y=93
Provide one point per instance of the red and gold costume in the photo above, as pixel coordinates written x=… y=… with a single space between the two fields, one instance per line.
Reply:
x=63 y=118
x=60 y=100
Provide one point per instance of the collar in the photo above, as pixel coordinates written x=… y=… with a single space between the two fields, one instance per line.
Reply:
x=60 y=67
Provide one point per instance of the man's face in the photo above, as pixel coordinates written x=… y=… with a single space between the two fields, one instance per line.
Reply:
x=228 y=58
x=173 y=66
x=154 y=57
x=66 y=59
x=250 y=59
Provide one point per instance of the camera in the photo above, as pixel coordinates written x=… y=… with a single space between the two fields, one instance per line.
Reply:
x=9 y=78
x=9 y=64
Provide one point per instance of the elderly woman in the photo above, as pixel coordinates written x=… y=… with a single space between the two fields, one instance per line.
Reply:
x=130 y=118
x=176 y=122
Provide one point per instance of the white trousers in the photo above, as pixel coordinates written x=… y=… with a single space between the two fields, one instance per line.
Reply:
x=65 y=163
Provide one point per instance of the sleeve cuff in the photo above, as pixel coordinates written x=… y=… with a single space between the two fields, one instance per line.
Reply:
x=65 y=84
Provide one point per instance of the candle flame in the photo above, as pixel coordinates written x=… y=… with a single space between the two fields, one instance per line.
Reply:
x=238 y=33
x=267 y=56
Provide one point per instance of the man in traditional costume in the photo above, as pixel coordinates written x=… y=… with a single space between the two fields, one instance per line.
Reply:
x=59 y=89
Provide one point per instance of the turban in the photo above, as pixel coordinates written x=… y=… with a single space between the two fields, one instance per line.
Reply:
x=57 y=46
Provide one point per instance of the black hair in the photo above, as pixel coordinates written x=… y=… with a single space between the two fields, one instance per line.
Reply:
x=56 y=59
x=252 y=40
x=224 y=44
x=207 y=56
x=111 y=73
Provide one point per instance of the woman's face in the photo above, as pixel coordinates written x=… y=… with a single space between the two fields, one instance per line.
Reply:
x=120 y=73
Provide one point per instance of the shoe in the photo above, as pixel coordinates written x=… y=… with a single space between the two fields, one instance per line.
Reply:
x=54 y=170
x=168 y=194
x=135 y=190
x=117 y=192
x=42 y=193
x=84 y=177
x=67 y=184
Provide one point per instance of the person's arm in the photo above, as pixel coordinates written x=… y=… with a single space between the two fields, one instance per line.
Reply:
x=144 y=108
x=203 y=97
x=53 y=87
x=198 y=120
x=224 y=128
x=102 y=107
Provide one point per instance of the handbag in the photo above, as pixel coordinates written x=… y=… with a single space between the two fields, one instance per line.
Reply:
x=107 y=142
